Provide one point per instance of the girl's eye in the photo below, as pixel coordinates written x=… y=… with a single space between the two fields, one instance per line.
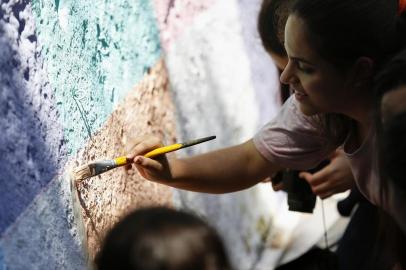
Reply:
x=304 y=68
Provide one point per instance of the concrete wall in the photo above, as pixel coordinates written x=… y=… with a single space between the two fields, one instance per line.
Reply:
x=79 y=79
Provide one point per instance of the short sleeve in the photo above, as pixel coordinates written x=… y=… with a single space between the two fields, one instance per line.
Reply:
x=292 y=139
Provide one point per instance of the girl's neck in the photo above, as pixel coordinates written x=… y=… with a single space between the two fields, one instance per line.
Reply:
x=362 y=114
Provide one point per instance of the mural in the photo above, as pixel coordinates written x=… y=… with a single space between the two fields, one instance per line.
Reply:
x=80 y=79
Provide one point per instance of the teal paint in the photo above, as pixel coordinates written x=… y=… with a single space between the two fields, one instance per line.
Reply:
x=95 y=52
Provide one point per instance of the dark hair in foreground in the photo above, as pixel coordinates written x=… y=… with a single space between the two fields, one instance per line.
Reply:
x=160 y=238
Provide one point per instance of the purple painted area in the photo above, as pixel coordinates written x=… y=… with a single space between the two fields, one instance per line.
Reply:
x=27 y=163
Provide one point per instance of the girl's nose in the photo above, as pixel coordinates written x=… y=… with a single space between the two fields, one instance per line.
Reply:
x=286 y=75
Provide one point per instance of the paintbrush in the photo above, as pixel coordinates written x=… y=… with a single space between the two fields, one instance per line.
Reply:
x=99 y=167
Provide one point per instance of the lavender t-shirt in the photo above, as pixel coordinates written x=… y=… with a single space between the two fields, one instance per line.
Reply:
x=293 y=141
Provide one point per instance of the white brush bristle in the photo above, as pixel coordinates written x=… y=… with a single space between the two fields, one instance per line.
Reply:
x=82 y=172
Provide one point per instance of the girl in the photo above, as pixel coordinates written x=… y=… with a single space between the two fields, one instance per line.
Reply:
x=334 y=48
x=336 y=177
x=358 y=243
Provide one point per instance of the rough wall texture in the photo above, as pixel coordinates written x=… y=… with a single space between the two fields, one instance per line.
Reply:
x=106 y=198
x=94 y=56
x=68 y=71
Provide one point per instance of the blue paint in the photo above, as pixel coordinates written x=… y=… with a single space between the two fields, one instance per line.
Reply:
x=27 y=163
x=2 y=266
x=44 y=236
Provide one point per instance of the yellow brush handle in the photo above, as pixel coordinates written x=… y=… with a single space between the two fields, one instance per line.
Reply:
x=163 y=150
x=120 y=161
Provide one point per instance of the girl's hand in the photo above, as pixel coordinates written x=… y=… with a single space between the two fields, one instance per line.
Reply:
x=335 y=178
x=156 y=169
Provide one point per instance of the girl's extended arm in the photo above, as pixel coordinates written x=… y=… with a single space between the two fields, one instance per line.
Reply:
x=226 y=170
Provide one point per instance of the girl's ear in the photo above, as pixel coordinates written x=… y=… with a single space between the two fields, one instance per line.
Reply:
x=362 y=72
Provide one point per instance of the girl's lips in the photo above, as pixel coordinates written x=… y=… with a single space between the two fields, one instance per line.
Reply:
x=300 y=95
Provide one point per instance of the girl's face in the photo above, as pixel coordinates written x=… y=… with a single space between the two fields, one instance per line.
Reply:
x=393 y=103
x=318 y=86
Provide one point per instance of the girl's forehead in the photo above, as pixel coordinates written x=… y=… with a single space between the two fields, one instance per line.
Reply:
x=298 y=42
x=394 y=102
x=395 y=96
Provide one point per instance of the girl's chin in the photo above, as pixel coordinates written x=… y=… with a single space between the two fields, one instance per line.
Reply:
x=308 y=110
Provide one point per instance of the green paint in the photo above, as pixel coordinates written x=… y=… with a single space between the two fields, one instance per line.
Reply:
x=95 y=52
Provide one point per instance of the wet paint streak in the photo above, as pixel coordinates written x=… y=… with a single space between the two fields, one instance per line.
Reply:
x=102 y=53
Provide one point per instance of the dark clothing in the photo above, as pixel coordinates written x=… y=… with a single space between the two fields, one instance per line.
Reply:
x=358 y=249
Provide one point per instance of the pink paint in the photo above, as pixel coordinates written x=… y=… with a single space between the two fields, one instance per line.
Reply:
x=174 y=16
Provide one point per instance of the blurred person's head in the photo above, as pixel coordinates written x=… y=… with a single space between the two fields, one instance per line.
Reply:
x=160 y=238
x=271 y=28
x=390 y=87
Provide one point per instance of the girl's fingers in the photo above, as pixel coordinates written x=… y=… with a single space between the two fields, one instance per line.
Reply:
x=148 y=163
x=317 y=178
x=323 y=188
x=325 y=195
x=128 y=167
x=306 y=176
x=129 y=146
x=277 y=187
x=144 y=147
x=141 y=170
x=321 y=176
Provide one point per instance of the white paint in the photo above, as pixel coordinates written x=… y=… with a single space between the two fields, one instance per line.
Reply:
x=212 y=86
x=63 y=18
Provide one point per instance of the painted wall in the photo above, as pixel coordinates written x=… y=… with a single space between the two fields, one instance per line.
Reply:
x=80 y=79
x=75 y=81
